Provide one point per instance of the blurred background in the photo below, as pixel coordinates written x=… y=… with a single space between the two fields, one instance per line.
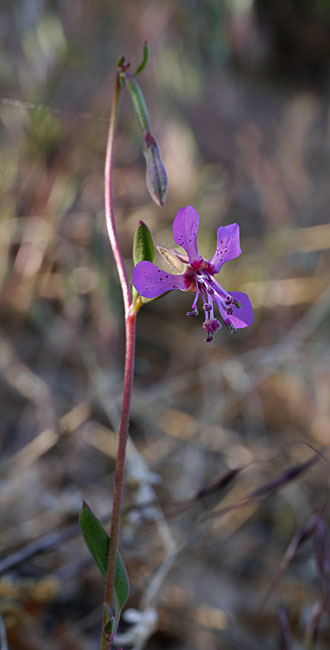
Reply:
x=238 y=94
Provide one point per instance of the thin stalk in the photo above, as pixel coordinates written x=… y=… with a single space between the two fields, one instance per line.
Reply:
x=108 y=200
x=130 y=321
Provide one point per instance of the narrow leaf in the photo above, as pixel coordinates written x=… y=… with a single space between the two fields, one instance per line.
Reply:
x=138 y=103
x=144 y=61
x=143 y=248
x=98 y=542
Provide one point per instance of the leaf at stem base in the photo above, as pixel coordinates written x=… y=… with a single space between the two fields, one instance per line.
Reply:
x=98 y=540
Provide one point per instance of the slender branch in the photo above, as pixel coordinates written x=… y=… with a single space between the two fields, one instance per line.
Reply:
x=130 y=321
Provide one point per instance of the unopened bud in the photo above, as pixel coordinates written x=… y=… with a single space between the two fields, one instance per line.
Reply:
x=156 y=177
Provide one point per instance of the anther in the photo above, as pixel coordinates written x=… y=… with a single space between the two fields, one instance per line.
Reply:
x=230 y=326
x=192 y=314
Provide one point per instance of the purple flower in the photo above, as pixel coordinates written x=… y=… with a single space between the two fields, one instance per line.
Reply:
x=197 y=275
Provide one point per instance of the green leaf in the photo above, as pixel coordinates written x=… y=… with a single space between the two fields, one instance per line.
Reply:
x=138 y=103
x=120 y=61
x=98 y=542
x=143 y=248
x=144 y=61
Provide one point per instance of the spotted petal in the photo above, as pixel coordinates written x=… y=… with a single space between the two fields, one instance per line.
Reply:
x=244 y=316
x=185 y=229
x=151 y=282
x=228 y=246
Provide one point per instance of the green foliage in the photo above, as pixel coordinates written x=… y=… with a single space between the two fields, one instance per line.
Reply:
x=98 y=542
x=144 y=61
x=138 y=103
x=143 y=248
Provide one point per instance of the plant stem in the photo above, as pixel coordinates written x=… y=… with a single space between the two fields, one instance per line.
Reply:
x=108 y=200
x=106 y=641
x=130 y=321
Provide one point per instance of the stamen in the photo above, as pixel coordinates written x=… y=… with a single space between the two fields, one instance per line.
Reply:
x=192 y=314
x=196 y=297
x=236 y=303
x=211 y=326
x=207 y=307
x=194 y=311
x=230 y=326
x=219 y=290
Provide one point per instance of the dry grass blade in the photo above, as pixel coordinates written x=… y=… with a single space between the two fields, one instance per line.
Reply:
x=204 y=494
x=53 y=540
x=267 y=490
x=297 y=541
x=3 y=635
x=312 y=629
x=322 y=549
x=285 y=636
x=290 y=475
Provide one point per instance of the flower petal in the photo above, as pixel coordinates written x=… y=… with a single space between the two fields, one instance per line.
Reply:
x=228 y=246
x=185 y=229
x=243 y=316
x=151 y=282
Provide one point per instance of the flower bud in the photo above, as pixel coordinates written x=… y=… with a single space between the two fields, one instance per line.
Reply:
x=156 y=177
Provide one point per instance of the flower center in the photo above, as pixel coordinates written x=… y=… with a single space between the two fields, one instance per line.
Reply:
x=200 y=280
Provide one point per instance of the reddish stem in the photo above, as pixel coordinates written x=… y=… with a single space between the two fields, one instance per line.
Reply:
x=130 y=320
x=108 y=199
